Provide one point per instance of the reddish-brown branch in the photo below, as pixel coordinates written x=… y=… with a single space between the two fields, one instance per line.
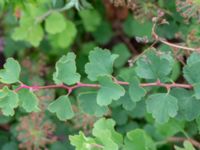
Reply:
x=79 y=85
x=180 y=139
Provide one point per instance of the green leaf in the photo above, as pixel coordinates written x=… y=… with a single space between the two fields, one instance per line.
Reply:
x=162 y=106
x=66 y=37
x=100 y=63
x=138 y=140
x=66 y=70
x=105 y=133
x=11 y=72
x=62 y=107
x=108 y=91
x=35 y=35
x=28 y=100
x=8 y=101
x=10 y=146
x=187 y=103
x=55 y=23
x=134 y=28
x=153 y=66
x=91 y=19
x=191 y=73
x=103 y=33
x=89 y=99
x=126 y=101
x=170 y=128
x=187 y=146
x=83 y=143
x=135 y=91
x=28 y=31
x=124 y=54
x=120 y=116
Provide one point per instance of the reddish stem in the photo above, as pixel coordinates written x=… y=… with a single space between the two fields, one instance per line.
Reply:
x=79 y=85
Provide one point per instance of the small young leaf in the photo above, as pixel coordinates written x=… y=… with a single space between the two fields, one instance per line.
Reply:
x=28 y=100
x=162 y=106
x=108 y=91
x=66 y=70
x=62 y=108
x=91 y=19
x=89 y=99
x=28 y=31
x=138 y=140
x=170 y=128
x=66 y=37
x=55 y=23
x=81 y=142
x=101 y=63
x=8 y=101
x=105 y=133
x=11 y=72
x=135 y=91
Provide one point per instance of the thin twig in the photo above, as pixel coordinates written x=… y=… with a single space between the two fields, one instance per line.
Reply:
x=181 y=139
x=162 y=40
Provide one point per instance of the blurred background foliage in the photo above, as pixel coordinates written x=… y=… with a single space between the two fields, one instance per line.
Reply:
x=38 y=32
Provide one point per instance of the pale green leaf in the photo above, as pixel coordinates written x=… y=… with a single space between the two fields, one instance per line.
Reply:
x=104 y=132
x=91 y=19
x=29 y=31
x=55 y=23
x=170 y=128
x=28 y=100
x=83 y=143
x=162 y=106
x=35 y=35
x=66 y=37
x=8 y=101
x=108 y=91
x=66 y=70
x=62 y=107
x=11 y=72
x=100 y=63
x=138 y=140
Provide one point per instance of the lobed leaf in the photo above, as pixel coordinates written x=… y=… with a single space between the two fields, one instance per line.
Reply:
x=152 y=66
x=104 y=132
x=66 y=70
x=135 y=91
x=11 y=72
x=62 y=107
x=89 y=99
x=108 y=91
x=138 y=139
x=100 y=63
x=28 y=100
x=8 y=101
x=162 y=106
x=55 y=23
